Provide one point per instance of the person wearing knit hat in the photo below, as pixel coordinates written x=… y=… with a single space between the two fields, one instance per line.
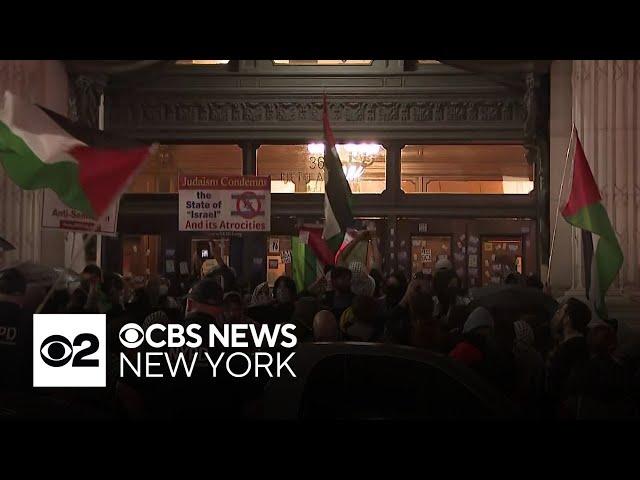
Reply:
x=363 y=284
x=471 y=350
x=357 y=268
x=478 y=318
x=261 y=295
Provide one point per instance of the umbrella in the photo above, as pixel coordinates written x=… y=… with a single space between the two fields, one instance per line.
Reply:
x=515 y=298
x=5 y=246
x=479 y=292
x=43 y=275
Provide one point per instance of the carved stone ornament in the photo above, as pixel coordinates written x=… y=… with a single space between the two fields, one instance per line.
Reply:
x=126 y=110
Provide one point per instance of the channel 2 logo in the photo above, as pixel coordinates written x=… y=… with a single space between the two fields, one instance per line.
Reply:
x=69 y=350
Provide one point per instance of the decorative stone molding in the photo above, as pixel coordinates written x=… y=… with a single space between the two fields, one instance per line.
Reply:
x=131 y=111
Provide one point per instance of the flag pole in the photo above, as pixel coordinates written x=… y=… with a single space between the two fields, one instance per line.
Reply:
x=555 y=226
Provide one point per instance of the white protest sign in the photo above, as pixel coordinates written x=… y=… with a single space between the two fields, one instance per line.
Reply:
x=210 y=203
x=58 y=216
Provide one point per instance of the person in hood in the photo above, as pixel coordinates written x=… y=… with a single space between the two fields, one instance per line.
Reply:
x=471 y=350
x=487 y=348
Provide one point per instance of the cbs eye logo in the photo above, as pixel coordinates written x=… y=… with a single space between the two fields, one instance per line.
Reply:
x=131 y=335
x=56 y=351
x=69 y=350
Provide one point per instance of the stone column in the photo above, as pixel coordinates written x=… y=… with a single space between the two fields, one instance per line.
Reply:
x=606 y=111
x=249 y=158
x=559 y=132
x=393 y=170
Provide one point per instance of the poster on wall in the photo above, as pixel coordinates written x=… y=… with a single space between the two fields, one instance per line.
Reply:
x=500 y=258
x=275 y=268
x=214 y=203
x=58 y=216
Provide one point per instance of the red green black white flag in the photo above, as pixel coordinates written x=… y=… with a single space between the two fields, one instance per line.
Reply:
x=337 y=192
x=584 y=210
x=87 y=169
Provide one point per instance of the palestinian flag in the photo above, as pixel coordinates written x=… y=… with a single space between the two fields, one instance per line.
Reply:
x=585 y=211
x=337 y=192
x=86 y=168
x=311 y=235
x=305 y=266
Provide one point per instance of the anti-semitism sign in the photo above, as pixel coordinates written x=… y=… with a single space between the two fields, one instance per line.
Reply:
x=58 y=216
x=224 y=203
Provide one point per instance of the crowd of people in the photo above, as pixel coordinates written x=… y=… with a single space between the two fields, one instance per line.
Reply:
x=562 y=366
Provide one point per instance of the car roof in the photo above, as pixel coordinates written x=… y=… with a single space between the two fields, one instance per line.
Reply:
x=308 y=355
